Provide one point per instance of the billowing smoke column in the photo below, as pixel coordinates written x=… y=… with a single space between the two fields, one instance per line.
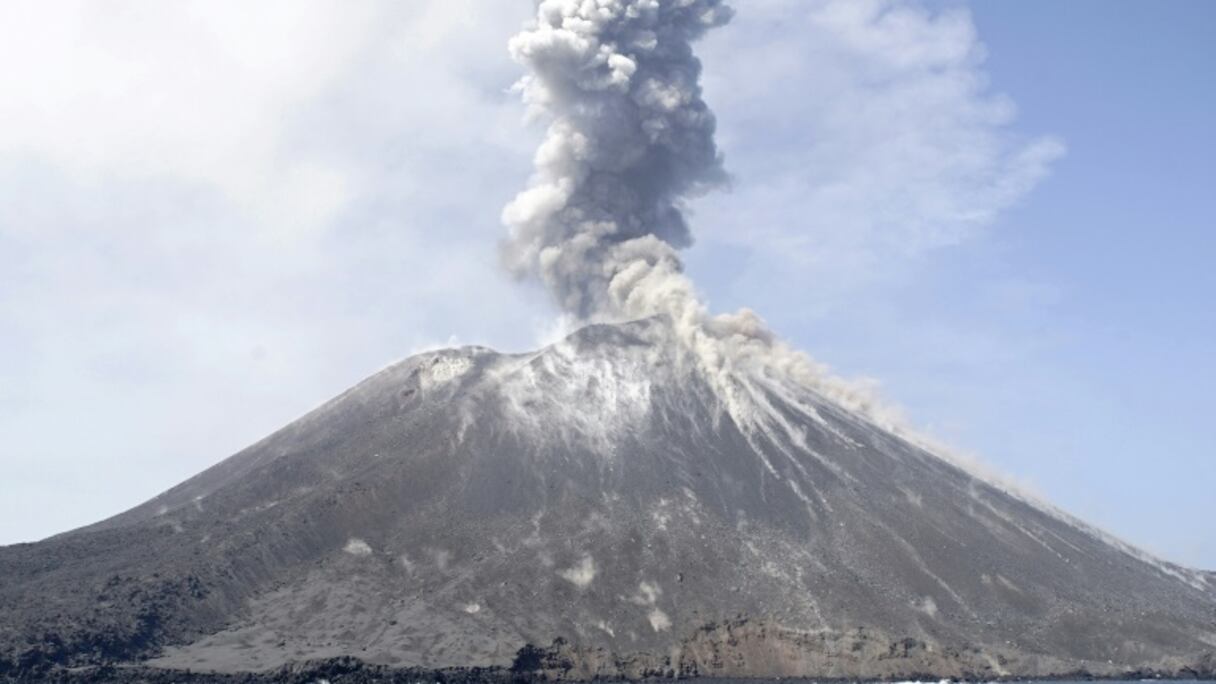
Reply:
x=630 y=140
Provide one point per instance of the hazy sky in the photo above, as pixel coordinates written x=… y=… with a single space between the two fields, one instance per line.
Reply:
x=216 y=215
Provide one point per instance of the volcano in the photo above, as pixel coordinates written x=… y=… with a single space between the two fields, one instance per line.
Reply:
x=604 y=506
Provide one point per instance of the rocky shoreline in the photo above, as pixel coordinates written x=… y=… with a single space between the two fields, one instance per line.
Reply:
x=562 y=663
x=350 y=671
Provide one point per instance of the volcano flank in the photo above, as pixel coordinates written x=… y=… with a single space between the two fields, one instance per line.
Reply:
x=667 y=492
x=601 y=507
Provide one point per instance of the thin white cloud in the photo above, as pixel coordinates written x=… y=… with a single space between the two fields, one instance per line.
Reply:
x=195 y=91
x=861 y=133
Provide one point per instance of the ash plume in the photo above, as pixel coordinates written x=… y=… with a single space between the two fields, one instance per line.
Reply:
x=630 y=140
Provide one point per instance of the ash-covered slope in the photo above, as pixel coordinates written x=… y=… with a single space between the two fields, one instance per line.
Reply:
x=606 y=491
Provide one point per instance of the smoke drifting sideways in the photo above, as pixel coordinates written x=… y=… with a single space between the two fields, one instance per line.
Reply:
x=630 y=141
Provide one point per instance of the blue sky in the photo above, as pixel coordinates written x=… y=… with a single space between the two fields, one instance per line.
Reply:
x=215 y=220
x=1124 y=233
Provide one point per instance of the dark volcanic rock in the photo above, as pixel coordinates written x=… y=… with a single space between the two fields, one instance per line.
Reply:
x=336 y=671
x=660 y=516
x=557 y=663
